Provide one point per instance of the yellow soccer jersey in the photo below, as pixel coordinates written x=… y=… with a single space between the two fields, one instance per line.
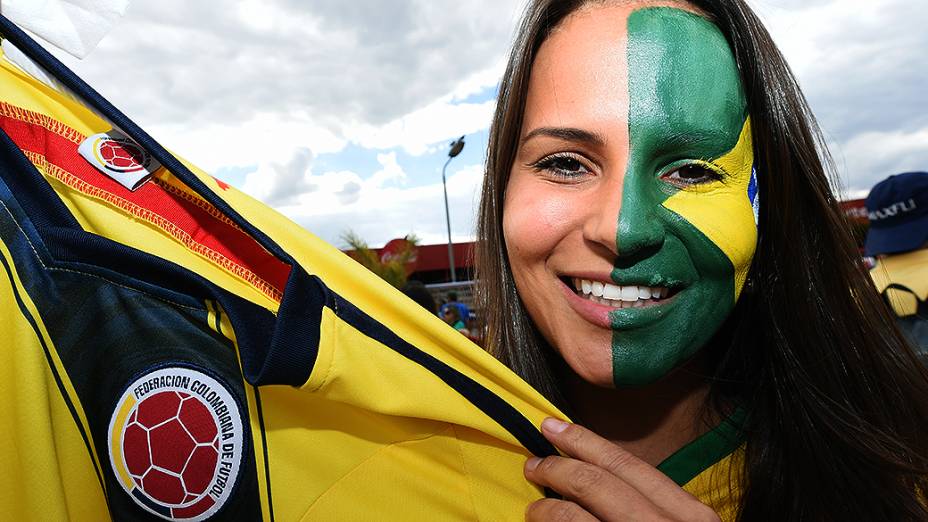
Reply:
x=709 y=468
x=177 y=350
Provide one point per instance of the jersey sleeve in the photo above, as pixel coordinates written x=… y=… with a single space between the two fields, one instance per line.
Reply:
x=196 y=355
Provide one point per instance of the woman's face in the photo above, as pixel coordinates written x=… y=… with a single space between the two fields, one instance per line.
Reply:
x=628 y=214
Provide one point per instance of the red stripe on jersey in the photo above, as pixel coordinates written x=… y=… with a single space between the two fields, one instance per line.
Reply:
x=52 y=147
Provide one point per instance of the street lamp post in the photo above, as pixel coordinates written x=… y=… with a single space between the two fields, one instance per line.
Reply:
x=456 y=147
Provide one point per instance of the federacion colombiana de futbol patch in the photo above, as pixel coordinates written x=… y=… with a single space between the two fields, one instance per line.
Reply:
x=176 y=443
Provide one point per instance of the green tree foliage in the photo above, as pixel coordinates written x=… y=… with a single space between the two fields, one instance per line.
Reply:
x=391 y=266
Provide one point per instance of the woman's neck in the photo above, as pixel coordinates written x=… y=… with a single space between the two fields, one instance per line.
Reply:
x=653 y=421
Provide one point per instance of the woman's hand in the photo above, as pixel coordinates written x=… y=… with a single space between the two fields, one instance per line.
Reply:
x=601 y=481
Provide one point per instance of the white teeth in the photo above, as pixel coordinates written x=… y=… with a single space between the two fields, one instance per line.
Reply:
x=629 y=293
x=612 y=292
x=618 y=296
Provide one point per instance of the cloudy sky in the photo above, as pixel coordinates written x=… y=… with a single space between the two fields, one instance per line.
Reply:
x=338 y=113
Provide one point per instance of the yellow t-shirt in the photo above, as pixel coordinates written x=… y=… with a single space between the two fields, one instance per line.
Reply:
x=185 y=352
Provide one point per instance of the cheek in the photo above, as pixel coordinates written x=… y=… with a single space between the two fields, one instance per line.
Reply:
x=724 y=213
x=533 y=223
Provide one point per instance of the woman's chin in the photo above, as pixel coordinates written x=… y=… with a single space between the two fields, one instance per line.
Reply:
x=599 y=374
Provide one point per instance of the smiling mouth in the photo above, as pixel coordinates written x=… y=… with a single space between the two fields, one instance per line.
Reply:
x=616 y=296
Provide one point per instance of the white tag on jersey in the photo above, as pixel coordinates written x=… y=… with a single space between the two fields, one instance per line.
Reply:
x=119 y=157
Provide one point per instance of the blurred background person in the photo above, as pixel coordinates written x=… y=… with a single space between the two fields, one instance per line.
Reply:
x=463 y=309
x=898 y=239
x=452 y=316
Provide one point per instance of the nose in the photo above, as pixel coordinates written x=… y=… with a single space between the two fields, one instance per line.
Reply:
x=640 y=231
x=602 y=220
x=623 y=221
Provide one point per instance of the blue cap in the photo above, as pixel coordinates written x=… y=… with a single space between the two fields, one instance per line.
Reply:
x=898 y=211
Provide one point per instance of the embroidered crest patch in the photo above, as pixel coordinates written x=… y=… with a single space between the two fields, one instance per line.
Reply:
x=176 y=443
x=120 y=158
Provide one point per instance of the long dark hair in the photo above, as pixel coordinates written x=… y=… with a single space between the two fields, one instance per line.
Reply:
x=836 y=401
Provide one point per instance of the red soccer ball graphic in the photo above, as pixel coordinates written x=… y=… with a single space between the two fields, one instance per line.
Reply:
x=121 y=155
x=171 y=447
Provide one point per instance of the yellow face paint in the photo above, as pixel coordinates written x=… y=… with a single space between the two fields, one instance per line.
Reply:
x=722 y=210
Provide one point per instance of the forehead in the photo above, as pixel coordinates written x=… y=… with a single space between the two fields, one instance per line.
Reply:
x=666 y=66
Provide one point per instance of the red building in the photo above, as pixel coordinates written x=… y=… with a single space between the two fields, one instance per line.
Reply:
x=431 y=263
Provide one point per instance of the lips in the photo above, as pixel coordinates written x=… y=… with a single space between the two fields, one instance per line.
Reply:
x=612 y=306
x=619 y=296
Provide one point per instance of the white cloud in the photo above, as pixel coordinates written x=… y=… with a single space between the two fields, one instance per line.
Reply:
x=263 y=137
x=380 y=207
x=279 y=184
x=258 y=15
x=861 y=64
x=341 y=63
x=390 y=171
x=417 y=131
x=243 y=82
x=870 y=157
x=342 y=200
x=349 y=193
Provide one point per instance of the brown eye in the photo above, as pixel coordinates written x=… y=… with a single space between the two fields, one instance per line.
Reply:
x=691 y=174
x=562 y=165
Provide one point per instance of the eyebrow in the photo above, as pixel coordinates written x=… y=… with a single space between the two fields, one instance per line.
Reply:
x=566 y=134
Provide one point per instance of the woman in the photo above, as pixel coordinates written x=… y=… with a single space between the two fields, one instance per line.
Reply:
x=669 y=266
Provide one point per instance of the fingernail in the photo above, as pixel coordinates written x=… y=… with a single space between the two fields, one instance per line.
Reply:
x=553 y=425
x=532 y=463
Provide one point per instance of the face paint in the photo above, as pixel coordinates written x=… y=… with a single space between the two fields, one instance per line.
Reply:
x=686 y=109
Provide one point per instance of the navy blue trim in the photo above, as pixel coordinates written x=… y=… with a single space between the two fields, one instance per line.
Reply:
x=58 y=70
x=290 y=355
x=486 y=401
x=52 y=367
x=282 y=349
x=267 y=465
x=217 y=319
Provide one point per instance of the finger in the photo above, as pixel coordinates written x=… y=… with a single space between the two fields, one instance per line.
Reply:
x=551 y=510
x=578 y=442
x=592 y=488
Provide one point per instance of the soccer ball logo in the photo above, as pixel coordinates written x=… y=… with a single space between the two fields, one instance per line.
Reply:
x=176 y=442
x=171 y=446
x=121 y=154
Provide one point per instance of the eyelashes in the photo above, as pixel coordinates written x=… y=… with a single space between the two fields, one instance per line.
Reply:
x=693 y=173
x=562 y=165
x=570 y=166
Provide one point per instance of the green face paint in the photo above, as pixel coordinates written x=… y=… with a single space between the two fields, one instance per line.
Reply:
x=686 y=106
